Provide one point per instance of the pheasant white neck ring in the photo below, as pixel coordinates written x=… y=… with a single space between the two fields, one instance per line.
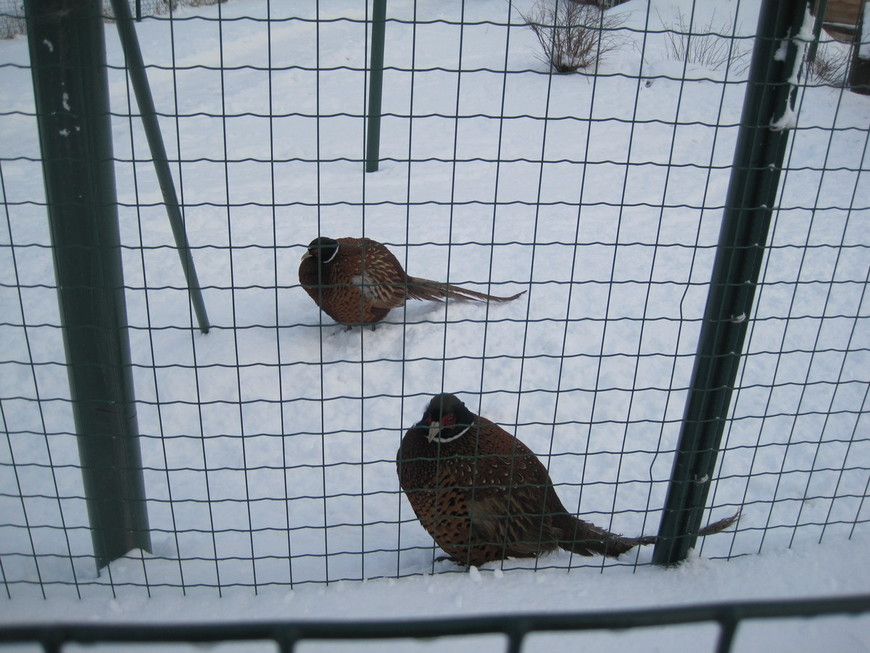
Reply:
x=334 y=253
x=435 y=429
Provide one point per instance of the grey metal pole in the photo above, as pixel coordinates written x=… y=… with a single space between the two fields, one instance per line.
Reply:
x=67 y=54
x=376 y=85
x=758 y=157
x=139 y=80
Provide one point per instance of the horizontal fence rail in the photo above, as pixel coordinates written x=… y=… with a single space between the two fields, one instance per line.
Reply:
x=515 y=627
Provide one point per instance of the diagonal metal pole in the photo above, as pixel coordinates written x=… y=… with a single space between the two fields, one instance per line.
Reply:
x=139 y=80
x=784 y=31
x=68 y=65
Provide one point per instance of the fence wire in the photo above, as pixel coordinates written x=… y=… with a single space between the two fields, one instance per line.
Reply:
x=269 y=444
x=12 y=22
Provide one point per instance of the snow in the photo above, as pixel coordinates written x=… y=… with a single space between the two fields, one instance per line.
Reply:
x=277 y=431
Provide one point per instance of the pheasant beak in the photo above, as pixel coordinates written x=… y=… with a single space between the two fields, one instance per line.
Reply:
x=307 y=254
x=434 y=430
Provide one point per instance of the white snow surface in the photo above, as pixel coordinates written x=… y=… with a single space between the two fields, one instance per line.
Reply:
x=269 y=443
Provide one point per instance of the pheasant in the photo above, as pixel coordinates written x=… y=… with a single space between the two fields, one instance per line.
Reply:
x=358 y=281
x=483 y=495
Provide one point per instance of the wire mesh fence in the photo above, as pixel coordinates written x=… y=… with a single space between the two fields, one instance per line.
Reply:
x=269 y=444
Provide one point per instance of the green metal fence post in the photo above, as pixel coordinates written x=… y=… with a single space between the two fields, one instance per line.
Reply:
x=376 y=85
x=139 y=79
x=819 y=9
x=782 y=37
x=859 y=71
x=67 y=53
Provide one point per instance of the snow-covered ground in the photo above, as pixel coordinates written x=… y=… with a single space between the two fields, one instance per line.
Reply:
x=269 y=443
x=807 y=570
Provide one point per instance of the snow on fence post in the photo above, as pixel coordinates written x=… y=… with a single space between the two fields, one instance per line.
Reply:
x=859 y=76
x=785 y=29
x=376 y=85
x=68 y=65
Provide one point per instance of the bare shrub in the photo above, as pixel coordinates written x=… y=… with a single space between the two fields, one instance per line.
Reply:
x=830 y=65
x=710 y=45
x=572 y=35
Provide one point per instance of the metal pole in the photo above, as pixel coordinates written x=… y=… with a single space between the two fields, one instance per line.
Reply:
x=759 y=153
x=139 y=80
x=859 y=74
x=821 y=6
x=67 y=53
x=376 y=85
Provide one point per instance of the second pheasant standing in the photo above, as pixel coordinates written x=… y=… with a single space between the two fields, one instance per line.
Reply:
x=359 y=281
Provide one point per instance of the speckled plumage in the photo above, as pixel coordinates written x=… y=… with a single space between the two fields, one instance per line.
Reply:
x=483 y=495
x=359 y=281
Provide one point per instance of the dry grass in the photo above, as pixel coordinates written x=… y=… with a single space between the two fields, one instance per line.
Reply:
x=831 y=62
x=711 y=45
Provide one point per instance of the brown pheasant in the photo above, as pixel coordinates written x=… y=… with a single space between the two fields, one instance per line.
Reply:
x=358 y=281
x=483 y=495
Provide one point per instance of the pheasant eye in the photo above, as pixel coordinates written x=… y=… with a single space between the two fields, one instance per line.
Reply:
x=448 y=420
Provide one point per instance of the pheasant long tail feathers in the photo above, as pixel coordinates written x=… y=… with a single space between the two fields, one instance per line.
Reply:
x=719 y=526
x=587 y=539
x=436 y=291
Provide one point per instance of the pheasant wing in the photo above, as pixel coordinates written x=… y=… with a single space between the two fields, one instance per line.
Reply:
x=382 y=279
x=512 y=501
